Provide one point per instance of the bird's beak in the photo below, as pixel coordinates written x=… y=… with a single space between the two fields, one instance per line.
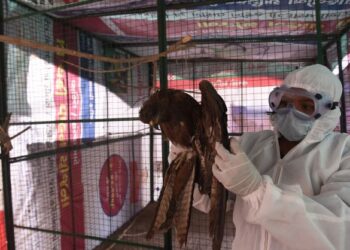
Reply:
x=154 y=122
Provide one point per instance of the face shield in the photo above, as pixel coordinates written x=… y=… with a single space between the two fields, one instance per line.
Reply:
x=310 y=106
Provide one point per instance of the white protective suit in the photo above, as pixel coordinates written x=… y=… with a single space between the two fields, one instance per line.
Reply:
x=303 y=201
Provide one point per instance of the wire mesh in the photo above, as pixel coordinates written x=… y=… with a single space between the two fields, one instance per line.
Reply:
x=86 y=173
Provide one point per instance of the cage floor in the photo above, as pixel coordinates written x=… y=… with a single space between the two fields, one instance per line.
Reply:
x=198 y=236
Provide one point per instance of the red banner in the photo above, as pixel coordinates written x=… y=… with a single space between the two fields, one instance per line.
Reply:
x=3 y=241
x=147 y=28
x=226 y=82
x=69 y=183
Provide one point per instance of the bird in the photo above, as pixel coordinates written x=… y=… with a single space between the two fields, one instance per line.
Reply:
x=196 y=126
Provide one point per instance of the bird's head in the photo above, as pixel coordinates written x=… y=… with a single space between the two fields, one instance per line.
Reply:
x=149 y=113
x=153 y=111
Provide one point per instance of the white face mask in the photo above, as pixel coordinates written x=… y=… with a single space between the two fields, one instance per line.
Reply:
x=293 y=124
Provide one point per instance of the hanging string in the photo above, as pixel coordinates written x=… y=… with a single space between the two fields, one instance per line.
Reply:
x=179 y=45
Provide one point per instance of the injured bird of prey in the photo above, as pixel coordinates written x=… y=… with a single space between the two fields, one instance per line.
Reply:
x=195 y=126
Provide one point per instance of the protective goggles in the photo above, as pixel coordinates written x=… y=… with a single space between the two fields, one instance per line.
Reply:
x=313 y=105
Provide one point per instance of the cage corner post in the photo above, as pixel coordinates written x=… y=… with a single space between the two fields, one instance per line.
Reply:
x=151 y=138
x=320 y=57
x=343 y=122
x=10 y=235
x=163 y=78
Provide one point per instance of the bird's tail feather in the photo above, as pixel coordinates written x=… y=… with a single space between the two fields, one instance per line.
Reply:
x=217 y=212
x=183 y=213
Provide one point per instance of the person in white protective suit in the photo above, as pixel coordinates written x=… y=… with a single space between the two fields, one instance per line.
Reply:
x=292 y=184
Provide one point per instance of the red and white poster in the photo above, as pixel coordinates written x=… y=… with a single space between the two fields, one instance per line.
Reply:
x=113 y=185
x=69 y=165
x=3 y=241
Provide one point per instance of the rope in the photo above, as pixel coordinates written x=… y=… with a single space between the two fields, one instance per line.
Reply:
x=179 y=45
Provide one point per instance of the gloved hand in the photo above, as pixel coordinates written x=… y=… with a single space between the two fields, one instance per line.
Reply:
x=174 y=151
x=234 y=170
x=200 y=201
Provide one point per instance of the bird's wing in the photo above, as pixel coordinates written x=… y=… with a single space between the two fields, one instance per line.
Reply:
x=165 y=198
x=174 y=195
x=214 y=126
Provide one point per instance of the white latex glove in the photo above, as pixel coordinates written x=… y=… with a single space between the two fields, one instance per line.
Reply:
x=200 y=201
x=175 y=150
x=235 y=171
